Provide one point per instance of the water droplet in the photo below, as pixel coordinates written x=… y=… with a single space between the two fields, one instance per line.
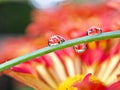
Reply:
x=94 y=31
x=55 y=39
x=80 y=48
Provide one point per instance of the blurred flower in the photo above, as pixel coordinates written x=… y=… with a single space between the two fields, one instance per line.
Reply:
x=71 y=19
x=95 y=69
x=114 y=4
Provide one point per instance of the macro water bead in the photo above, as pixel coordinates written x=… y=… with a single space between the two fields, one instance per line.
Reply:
x=55 y=39
x=94 y=31
x=80 y=48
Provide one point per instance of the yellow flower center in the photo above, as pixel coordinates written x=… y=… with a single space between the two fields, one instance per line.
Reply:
x=81 y=82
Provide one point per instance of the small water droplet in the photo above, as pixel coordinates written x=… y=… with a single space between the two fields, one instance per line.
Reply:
x=94 y=31
x=80 y=48
x=55 y=39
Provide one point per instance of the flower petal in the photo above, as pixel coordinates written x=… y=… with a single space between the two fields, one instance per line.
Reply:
x=114 y=86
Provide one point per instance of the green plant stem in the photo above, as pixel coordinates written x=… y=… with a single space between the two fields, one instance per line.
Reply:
x=69 y=43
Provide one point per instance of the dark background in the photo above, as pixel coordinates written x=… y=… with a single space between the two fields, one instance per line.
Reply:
x=14 y=17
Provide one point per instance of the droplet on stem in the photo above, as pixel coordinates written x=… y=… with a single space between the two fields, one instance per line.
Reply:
x=80 y=48
x=94 y=31
x=55 y=39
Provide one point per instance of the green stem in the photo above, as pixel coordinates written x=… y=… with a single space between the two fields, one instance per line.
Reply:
x=69 y=43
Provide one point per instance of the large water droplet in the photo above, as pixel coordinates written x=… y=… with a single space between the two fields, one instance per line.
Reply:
x=94 y=31
x=80 y=48
x=55 y=39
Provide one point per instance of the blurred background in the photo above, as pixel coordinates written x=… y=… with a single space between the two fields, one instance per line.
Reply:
x=15 y=15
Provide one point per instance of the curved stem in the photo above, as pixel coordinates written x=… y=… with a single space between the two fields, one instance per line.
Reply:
x=69 y=43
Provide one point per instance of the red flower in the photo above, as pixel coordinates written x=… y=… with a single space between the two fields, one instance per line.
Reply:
x=65 y=69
